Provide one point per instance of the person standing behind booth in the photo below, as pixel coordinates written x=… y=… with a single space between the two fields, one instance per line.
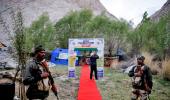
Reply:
x=93 y=64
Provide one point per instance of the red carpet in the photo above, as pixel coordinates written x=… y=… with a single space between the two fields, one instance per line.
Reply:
x=87 y=88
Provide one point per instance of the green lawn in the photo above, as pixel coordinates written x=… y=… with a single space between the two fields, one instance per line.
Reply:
x=117 y=86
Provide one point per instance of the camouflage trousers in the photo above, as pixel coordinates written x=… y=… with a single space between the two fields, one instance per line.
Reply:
x=138 y=94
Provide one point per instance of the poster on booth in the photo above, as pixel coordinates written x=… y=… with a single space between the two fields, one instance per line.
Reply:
x=63 y=56
x=85 y=44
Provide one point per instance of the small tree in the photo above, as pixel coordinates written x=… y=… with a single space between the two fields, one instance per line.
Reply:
x=138 y=37
x=19 y=43
x=41 y=32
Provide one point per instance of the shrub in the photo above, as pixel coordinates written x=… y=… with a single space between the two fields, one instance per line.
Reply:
x=153 y=65
x=166 y=69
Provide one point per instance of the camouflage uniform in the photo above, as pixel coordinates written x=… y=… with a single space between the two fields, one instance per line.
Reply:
x=138 y=83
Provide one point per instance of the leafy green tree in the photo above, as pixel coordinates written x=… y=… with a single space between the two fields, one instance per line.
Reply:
x=19 y=44
x=84 y=25
x=163 y=39
x=41 y=31
x=140 y=36
x=72 y=26
x=145 y=17
x=151 y=36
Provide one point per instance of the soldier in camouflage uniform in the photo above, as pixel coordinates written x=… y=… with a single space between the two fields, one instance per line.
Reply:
x=38 y=77
x=141 y=80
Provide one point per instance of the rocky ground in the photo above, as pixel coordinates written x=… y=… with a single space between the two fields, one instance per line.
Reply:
x=10 y=61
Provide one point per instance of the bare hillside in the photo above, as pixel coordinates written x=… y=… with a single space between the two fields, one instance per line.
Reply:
x=31 y=9
x=165 y=10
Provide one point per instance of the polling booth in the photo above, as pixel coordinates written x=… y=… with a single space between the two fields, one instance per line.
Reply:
x=87 y=45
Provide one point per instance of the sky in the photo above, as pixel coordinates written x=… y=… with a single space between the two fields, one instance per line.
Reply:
x=132 y=10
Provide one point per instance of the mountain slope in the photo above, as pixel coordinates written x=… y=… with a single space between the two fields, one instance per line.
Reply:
x=32 y=9
x=56 y=8
x=165 y=10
